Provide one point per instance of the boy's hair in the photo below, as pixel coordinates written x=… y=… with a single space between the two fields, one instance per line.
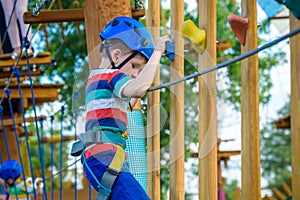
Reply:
x=113 y=44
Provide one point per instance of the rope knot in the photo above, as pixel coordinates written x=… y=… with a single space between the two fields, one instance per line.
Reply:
x=7 y=92
x=26 y=42
x=16 y=71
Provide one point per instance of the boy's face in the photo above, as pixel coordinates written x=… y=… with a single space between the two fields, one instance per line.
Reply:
x=133 y=66
x=10 y=182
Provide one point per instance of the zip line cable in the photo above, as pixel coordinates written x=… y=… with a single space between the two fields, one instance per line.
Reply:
x=228 y=62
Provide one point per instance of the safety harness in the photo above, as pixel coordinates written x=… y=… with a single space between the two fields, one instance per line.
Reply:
x=113 y=170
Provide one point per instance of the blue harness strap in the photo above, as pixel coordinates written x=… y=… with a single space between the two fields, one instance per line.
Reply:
x=98 y=136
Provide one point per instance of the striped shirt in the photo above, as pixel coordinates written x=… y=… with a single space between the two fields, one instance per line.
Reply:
x=105 y=106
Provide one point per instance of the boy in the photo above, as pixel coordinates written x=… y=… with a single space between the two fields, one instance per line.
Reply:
x=10 y=175
x=128 y=66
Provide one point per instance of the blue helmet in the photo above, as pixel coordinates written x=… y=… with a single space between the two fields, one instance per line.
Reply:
x=10 y=169
x=132 y=33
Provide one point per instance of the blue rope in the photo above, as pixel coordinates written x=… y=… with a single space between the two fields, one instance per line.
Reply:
x=16 y=71
x=8 y=92
x=76 y=95
x=6 y=142
x=52 y=157
x=60 y=149
x=41 y=120
x=27 y=45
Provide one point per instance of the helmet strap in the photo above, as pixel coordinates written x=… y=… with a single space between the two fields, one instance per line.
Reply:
x=106 y=46
x=126 y=60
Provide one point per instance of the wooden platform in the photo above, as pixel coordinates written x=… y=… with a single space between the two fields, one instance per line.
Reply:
x=42 y=93
x=42 y=58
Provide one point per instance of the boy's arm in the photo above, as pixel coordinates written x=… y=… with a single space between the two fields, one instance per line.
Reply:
x=139 y=86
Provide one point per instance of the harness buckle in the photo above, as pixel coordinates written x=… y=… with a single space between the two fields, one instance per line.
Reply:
x=113 y=171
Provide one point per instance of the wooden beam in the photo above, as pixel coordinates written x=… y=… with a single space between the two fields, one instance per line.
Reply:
x=283 y=123
x=54 y=16
x=67 y=15
x=295 y=106
x=7 y=74
x=207 y=125
x=32 y=60
x=177 y=147
x=19 y=120
x=250 y=108
x=153 y=113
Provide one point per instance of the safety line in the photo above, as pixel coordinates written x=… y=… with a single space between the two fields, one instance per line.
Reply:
x=27 y=45
x=8 y=92
x=226 y=63
x=60 y=151
x=52 y=155
x=6 y=143
x=16 y=71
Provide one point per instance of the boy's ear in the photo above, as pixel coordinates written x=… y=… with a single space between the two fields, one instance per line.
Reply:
x=116 y=53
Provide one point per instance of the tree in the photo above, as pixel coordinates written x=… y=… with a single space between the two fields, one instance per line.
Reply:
x=276 y=151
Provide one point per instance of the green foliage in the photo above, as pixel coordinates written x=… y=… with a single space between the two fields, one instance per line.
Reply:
x=230 y=189
x=276 y=152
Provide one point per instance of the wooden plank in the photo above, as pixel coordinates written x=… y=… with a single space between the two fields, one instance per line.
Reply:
x=33 y=60
x=177 y=106
x=295 y=106
x=67 y=15
x=283 y=123
x=7 y=74
x=19 y=120
x=221 y=154
x=250 y=109
x=54 y=16
x=207 y=125
x=286 y=189
x=278 y=194
x=153 y=113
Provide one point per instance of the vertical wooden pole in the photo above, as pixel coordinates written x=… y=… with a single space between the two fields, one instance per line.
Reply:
x=177 y=107
x=12 y=145
x=250 y=109
x=207 y=125
x=153 y=117
x=295 y=106
x=96 y=15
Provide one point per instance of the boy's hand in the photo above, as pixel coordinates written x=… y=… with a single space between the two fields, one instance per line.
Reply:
x=160 y=44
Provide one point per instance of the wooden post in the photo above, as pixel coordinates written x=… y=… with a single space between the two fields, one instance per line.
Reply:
x=295 y=106
x=177 y=107
x=153 y=113
x=207 y=125
x=12 y=145
x=250 y=109
x=96 y=15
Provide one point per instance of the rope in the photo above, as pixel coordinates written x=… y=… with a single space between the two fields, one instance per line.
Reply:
x=8 y=92
x=9 y=21
x=27 y=45
x=6 y=142
x=63 y=169
x=228 y=62
x=41 y=120
x=60 y=150
x=52 y=156
x=16 y=71
x=75 y=96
